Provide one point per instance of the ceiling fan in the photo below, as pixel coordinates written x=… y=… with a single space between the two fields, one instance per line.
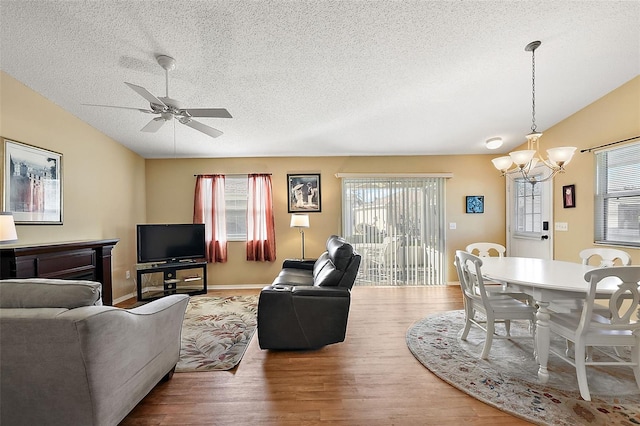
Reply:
x=169 y=108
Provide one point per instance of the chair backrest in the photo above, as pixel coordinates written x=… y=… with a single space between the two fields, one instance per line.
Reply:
x=486 y=249
x=622 y=304
x=607 y=256
x=470 y=275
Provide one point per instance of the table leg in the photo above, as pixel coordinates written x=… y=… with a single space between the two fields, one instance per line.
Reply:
x=542 y=340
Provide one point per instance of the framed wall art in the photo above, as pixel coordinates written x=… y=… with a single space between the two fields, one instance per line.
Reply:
x=304 y=193
x=32 y=188
x=569 y=196
x=475 y=203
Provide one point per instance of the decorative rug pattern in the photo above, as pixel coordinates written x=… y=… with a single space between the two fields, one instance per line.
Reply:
x=216 y=332
x=508 y=379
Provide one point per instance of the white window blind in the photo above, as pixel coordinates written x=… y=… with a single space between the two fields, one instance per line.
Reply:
x=236 y=192
x=397 y=226
x=617 y=199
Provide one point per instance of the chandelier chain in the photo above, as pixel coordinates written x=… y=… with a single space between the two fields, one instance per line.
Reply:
x=533 y=91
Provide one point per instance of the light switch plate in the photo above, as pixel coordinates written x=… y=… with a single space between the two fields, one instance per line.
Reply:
x=562 y=226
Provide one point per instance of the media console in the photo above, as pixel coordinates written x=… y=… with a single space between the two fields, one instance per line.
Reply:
x=162 y=279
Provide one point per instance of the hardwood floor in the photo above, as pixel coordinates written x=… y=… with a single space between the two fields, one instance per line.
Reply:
x=370 y=379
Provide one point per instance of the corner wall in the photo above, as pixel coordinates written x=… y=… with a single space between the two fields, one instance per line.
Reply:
x=103 y=182
x=614 y=117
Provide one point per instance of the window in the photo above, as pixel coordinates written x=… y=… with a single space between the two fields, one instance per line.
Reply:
x=528 y=207
x=235 y=193
x=617 y=202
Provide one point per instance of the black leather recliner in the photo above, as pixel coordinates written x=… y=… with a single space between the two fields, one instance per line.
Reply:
x=307 y=305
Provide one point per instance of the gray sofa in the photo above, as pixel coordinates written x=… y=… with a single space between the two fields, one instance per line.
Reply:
x=67 y=360
x=307 y=306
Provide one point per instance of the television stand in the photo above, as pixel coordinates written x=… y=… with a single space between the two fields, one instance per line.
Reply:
x=159 y=280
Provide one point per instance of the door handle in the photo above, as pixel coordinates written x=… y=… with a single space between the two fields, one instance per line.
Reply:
x=544 y=237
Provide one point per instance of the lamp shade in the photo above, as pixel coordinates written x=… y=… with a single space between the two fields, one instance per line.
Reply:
x=299 y=220
x=7 y=228
x=561 y=155
x=520 y=158
x=502 y=163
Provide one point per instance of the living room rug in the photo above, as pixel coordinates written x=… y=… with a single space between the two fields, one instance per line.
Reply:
x=508 y=380
x=216 y=332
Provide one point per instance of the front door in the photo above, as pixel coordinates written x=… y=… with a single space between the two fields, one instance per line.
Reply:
x=529 y=218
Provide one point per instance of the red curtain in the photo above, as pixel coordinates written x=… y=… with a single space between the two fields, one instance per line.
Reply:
x=261 y=234
x=209 y=208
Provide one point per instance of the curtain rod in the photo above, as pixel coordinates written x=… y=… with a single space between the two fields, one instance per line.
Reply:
x=446 y=175
x=232 y=174
x=609 y=144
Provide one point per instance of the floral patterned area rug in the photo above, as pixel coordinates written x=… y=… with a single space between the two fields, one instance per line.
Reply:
x=216 y=332
x=508 y=380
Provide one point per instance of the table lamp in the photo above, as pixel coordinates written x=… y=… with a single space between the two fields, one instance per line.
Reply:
x=300 y=221
x=8 y=228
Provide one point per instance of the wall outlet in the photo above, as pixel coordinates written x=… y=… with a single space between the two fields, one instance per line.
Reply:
x=562 y=226
x=127 y=274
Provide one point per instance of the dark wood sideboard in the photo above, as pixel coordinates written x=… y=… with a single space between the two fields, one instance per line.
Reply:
x=85 y=260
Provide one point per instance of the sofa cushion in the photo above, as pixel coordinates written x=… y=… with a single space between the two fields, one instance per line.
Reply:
x=320 y=262
x=49 y=293
x=340 y=251
x=329 y=276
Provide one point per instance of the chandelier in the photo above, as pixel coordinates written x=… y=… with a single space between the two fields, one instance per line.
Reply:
x=526 y=160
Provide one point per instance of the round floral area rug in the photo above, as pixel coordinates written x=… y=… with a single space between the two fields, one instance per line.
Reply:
x=508 y=379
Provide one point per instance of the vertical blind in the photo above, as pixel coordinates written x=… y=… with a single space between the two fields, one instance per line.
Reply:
x=397 y=226
x=617 y=200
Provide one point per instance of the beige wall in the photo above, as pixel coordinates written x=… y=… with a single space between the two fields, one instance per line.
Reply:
x=104 y=183
x=107 y=197
x=170 y=185
x=614 y=117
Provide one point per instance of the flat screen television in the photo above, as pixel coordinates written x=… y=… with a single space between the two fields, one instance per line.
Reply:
x=170 y=242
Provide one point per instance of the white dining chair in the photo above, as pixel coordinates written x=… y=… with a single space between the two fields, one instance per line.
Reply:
x=587 y=330
x=494 y=307
x=607 y=256
x=486 y=249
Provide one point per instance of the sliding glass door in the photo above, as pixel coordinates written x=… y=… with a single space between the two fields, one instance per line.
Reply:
x=397 y=225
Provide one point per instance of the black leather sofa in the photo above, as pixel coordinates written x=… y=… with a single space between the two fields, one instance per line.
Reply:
x=307 y=305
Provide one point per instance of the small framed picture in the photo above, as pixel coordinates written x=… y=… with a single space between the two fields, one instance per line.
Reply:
x=569 y=196
x=32 y=184
x=304 y=193
x=475 y=203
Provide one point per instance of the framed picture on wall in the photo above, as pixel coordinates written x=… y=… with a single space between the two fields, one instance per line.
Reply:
x=32 y=188
x=304 y=193
x=475 y=204
x=569 y=196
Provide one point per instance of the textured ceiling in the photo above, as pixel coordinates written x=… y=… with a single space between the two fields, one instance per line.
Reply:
x=315 y=78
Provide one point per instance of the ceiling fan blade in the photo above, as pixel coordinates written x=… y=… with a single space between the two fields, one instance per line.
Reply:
x=214 y=133
x=145 y=94
x=208 y=112
x=154 y=125
x=148 y=111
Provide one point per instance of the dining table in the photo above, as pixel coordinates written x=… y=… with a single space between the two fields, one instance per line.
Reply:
x=549 y=283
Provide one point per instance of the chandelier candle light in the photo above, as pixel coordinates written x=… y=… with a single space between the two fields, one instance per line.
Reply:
x=526 y=160
x=300 y=221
